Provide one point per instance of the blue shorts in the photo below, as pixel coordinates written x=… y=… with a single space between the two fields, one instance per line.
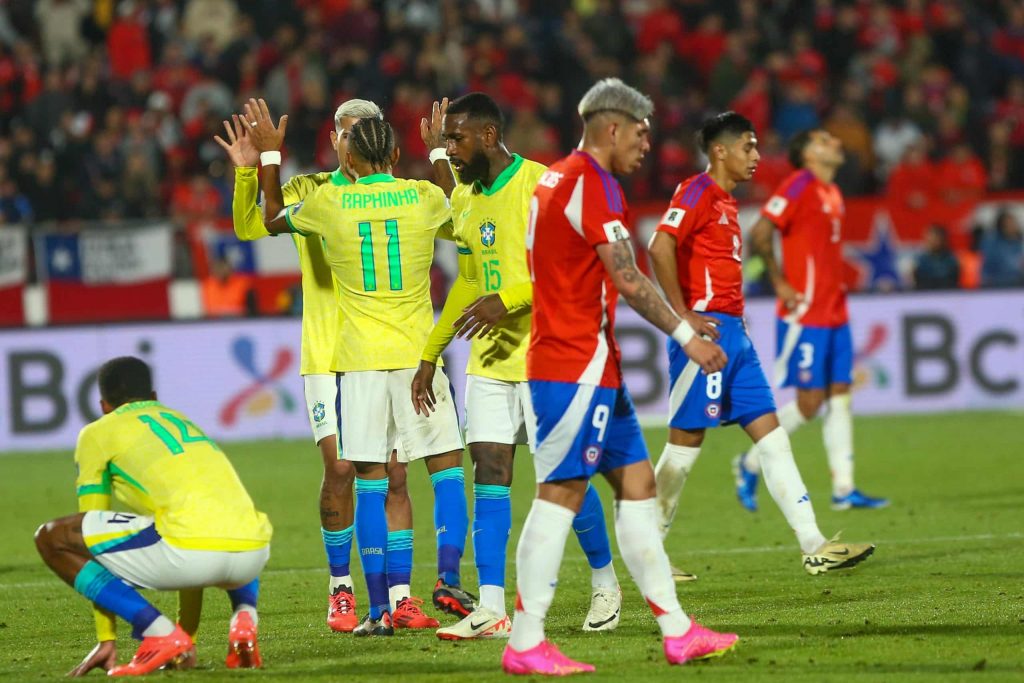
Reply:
x=583 y=429
x=737 y=394
x=812 y=357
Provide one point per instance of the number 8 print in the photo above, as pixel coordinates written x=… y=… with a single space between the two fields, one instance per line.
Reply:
x=714 y=385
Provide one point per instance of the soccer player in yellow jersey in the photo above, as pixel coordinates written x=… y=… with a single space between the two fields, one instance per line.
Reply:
x=190 y=525
x=319 y=330
x=490 y=303
x=379 y=235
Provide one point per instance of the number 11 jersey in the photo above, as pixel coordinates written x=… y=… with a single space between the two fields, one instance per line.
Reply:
x=379 y=241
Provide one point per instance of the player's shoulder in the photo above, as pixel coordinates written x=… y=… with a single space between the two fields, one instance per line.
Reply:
x=531 y=171
x=305 y=183
x=693 y=192
x=795 y=184
x=425 y=188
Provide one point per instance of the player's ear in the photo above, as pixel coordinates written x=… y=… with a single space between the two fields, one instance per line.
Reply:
x=348 y=159
x=105 y=407
x=334 y=140
x=394 y=157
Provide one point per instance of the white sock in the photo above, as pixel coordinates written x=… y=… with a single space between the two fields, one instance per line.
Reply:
x=636 y=522
x=670 y=475
x=250 y=609
x=786 y=487
x=604 y=577
x=396 y=594
x=837 y=431
x=493 y=598
x=538 y=559
x=339 y=581
x=162 y=626
x=791 y=419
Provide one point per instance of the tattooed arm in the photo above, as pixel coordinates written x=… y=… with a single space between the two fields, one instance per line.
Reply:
x=642 y=296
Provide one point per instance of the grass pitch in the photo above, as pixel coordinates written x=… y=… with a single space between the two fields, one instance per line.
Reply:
x=941 y=599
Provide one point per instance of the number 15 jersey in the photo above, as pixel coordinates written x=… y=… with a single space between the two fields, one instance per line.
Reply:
x=379 y=242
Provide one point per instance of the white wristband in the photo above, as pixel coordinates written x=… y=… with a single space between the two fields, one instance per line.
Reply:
x=683 y=334
x=438 y=154
x=270 y=158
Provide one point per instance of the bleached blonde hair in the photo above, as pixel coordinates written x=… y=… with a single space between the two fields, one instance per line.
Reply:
x=611 y=94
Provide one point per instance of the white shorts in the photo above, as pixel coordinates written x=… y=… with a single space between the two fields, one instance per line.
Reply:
x=129 y=546
x=321 y=393
x=377 y=414
x=499 y=412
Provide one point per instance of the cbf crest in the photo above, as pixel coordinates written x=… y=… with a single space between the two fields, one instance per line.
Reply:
x=487 y=234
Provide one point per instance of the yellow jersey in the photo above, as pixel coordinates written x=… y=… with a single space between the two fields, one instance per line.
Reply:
x=379 y=237
x=319 y=310
x=490 y=227
x=157 y=463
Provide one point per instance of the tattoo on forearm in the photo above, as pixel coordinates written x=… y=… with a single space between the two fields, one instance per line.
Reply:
x=645 y=300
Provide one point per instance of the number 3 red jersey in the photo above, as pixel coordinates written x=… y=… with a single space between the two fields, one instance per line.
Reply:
x=809 y=215
x=703 y=219
x=576 y=207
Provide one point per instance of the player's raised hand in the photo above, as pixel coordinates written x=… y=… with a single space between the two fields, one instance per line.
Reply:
x=707 y=354
x=480 y=317
x=704 y=326
x=265 y=136
x=238 y=145
x=103 y=656
x=423 y=400
x=432 y=130
x=788 y=295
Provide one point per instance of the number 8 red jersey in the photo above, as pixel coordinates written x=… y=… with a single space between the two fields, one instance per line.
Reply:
x=709 y=246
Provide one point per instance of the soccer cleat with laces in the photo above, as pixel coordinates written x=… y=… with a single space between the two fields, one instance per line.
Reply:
x=680 y=575
x=746 y=483
x=698 y=643
x=605 y=607
x=409 y=615
x=544 y=659
x=834 y=555
x=453 y=600
x=482 y=624
x=156 y=652
x=341 y=610
x=375 y=627
x=243 y=652
x=856 y=499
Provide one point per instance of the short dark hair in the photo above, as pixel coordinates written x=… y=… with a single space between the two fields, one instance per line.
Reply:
x=797 y=144
x=479 y=107
x=374 y=140
x=125 y=379
x=727 y=123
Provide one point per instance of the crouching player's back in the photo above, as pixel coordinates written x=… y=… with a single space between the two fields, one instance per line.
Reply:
x=191 y=525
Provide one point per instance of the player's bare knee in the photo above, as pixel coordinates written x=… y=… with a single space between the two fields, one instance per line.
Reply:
x=492 y=463
x=44 y=538
x=809 y=402
x=339 y=473
x=397 y=479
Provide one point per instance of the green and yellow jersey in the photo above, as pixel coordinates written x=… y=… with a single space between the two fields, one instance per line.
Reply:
x=379 y=237
x=319 y=310
x=490 y=233
x=157 y=463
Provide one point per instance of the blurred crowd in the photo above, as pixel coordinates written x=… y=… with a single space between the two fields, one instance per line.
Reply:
x=108 y=107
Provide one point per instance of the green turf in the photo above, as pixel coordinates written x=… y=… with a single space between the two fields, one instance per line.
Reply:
x=942 y=598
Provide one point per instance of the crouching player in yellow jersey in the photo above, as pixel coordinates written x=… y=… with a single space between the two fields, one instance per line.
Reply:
x=379 y=235
x=191 y=525
x=319 y=330
x=490 y=303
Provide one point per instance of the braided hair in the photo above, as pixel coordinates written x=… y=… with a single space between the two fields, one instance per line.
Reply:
x=373 y=139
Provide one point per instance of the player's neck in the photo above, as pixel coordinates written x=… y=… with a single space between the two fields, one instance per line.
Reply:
x=823 y=173
x=721 y=177
x=497 y=164
x=602 y=154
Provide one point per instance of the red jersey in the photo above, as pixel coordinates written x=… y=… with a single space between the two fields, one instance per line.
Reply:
x=703 y=219
x=576 y=207
x=809 y=215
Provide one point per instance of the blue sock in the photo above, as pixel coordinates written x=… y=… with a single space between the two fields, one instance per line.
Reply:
x=95 y=582
x=338 y=545
x=248 y=594
x=451 y=521
x=372 y=535
x=492 y=524
x=591 y=531
x=399 y=557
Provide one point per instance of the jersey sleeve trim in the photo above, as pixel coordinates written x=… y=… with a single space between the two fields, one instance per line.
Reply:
x=465 y=251
x=694 y=192
x=288 y=220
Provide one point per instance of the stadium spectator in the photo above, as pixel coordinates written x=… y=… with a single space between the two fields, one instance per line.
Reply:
x=936 y=267
x=960 y=181
x=226 y=293
x=1002 y=253
x=60 y=32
